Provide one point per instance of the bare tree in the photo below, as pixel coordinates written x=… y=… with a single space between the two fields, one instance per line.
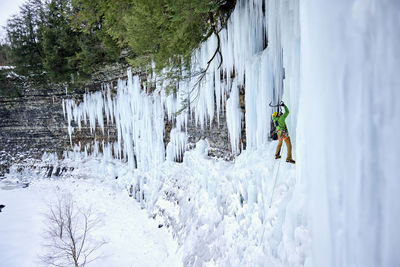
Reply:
x=68 y=233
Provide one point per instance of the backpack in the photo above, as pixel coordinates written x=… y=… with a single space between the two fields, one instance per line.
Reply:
x=273 y=135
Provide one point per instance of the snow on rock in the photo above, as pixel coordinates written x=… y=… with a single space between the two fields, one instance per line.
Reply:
x=7 y=67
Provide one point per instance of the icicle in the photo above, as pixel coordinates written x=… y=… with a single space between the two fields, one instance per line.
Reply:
x=234 y=118
x=177 y=146
x=258 y=46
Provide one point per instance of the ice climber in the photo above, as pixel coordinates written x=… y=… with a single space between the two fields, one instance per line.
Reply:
x=283 y=135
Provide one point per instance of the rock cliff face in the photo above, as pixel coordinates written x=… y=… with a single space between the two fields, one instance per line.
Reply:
x=218 y=134
x=30 y=124
x=33 y=123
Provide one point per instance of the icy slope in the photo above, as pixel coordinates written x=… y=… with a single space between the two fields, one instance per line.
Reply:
x=243 y=213
x=235 y=214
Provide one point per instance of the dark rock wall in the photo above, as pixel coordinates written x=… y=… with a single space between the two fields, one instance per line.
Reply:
x=216 y=135
x=33 y=123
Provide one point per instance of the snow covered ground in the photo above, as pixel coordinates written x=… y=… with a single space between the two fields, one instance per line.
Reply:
x=220 y=213
x=132 y=238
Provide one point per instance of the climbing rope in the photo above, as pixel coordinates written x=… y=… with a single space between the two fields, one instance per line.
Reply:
x=270 y=202
x=273 y=188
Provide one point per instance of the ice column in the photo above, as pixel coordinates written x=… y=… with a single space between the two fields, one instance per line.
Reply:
x=349 y=121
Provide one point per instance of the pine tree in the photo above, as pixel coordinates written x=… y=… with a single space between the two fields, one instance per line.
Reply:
x=60 y=42
x=23 y=33
x=63 y=39
x=5 y=54
x=161 y=31
x=96 y=45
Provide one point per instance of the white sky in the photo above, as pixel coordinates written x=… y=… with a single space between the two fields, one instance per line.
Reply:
x=8 y=8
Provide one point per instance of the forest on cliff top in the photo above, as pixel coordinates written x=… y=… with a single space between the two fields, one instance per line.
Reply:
x=67 y=41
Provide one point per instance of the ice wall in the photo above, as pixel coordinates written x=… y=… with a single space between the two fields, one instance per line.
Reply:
x=340 y=83
x=348 y=126
x=261 y=43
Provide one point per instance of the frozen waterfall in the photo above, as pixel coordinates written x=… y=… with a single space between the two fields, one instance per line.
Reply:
x=348 y=124
x=259 y=47
x=335 y=64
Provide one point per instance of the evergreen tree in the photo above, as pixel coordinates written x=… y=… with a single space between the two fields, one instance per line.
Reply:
x=166 y=31
x=161 y=31
x=96 y=45
x=5 y=54
x=95 y=19
x=61 y=39
x=23 y=32
x=60 y=42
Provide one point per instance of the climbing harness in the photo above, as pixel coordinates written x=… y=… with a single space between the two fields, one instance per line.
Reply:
x=284 y=135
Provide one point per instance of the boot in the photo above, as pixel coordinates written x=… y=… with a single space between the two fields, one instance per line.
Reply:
x=277 y=156
x=291 y=161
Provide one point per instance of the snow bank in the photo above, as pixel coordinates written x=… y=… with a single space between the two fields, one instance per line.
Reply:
x=132 y=238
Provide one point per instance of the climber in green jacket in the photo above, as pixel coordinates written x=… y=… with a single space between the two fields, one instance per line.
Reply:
x=283 y=135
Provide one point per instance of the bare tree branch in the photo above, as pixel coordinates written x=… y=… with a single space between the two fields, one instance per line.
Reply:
x=67 y=235
x=203 y=72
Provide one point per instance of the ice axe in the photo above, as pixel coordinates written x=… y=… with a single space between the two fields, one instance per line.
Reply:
x=277 y=106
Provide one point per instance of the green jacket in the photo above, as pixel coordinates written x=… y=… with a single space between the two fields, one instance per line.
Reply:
x=281 y=120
